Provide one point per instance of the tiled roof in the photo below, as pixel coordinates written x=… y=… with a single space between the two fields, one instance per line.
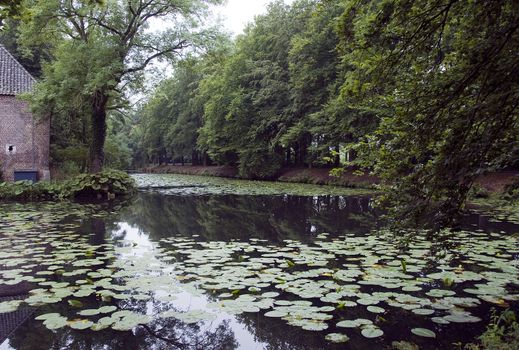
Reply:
x=14 y=79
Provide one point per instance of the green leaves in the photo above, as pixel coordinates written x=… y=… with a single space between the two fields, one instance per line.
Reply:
x=75 y=303
x=423 y=332
x=107 y=185
x=431 y=84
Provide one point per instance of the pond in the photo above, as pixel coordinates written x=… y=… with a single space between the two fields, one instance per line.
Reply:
x=201 y=263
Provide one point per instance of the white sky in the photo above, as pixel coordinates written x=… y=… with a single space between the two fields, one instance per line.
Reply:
x=237 y=13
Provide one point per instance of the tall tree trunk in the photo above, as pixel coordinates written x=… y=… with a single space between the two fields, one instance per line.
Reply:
x=337 y=157
x=194 y=157
x=97 y=154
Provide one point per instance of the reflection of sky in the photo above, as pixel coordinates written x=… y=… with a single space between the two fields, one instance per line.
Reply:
x=185 y=301
x=6 y=346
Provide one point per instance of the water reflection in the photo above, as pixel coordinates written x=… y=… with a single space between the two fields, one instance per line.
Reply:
x=152 y=218
x=274 y=218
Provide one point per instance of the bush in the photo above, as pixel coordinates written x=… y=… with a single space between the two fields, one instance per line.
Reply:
x=502 y=334
x=105 y=185
x=478 y=191
x=66 y=171
x=25 y=190
x=511 y=191
x=259 y=164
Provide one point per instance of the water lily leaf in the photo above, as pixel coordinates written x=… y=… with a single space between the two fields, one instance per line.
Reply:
x=88 y=312
x=423 y=332
x=80 y=324
x=371 y=332
x=55 y=322
x=75 y=303
x=423 y=311
x=107 y=309
x=276 y=313
x=337 y=338
x=461 y=318
x=376 y=309
x=9 y=306
x=354 y=323
x=44 y=317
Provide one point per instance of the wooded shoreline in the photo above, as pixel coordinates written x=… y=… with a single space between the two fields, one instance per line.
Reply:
x=492 y=182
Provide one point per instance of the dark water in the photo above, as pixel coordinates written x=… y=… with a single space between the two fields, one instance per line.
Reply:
x=151 y=218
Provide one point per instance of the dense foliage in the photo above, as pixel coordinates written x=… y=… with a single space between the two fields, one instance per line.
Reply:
x=502 y=333
x=269 y=100
x=108 y=184
x=423 y=92
x=99 y=51
x=440 y=77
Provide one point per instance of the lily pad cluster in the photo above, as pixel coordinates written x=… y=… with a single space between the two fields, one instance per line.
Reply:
x=340 y=286
x=176 y=184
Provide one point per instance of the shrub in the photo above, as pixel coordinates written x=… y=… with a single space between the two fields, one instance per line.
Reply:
x=511 y=191
x=502 y=334
x=106 y=185
x=259 y=164
x=478 y=191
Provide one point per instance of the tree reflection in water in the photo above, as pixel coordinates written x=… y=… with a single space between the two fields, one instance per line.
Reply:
x=226 y=217
x=169 y=334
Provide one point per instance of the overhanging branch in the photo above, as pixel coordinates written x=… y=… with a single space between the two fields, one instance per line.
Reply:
x=181 y=45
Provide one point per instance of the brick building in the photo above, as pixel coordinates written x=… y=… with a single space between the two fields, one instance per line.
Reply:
x=24 y=141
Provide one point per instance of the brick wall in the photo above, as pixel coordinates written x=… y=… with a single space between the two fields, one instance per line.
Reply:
x=29 y=137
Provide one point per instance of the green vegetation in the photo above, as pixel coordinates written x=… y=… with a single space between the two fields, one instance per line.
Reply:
x=420 y=93
x=502 y=333
x=511 y=191
x=438 y=75
x=337 y=285
x=99 y=51
x=106 y=185
x=197 y=185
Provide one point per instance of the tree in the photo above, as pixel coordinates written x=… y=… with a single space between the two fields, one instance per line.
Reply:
x=441 y=77
x=9 y=9
x=248 y=97
x=101 y=49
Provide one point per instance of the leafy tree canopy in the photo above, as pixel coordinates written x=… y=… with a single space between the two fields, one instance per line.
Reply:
x=101 y=49
x=441 y=76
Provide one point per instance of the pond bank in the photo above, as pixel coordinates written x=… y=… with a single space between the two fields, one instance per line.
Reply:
x=317 y=176
x=493 y=182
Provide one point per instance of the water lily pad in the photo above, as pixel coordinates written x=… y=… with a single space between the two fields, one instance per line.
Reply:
x=55 y=322
x=376 y=309
x=89 y=312
x=354 y=323
x=337 y=338
x=75 y=303
x=276 y=313
x=461 y=318
x=80 y=324
x=423 y=311
x=107 y=309
x=423 y=332
x=371 y=332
